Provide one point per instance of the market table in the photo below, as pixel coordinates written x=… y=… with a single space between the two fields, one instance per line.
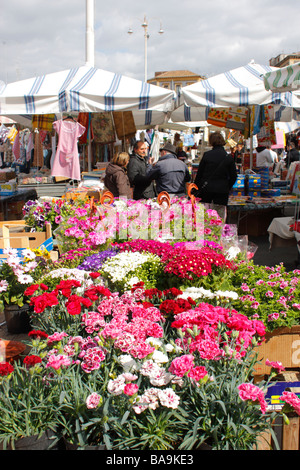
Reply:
x=11 y=205
x=253 y=215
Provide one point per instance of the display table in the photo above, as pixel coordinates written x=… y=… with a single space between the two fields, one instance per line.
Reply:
x=11 y=206
x=253 y=216
x=46 y=189
x=280 y=233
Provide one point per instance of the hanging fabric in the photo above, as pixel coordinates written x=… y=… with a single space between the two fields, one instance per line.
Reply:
x=86 y=121
x=43 y=121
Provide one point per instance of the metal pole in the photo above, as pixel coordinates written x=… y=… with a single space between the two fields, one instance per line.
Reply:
x=90 y=40
x=145 y=26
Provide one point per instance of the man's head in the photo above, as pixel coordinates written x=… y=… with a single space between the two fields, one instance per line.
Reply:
x=140 y=148
x=168 y=148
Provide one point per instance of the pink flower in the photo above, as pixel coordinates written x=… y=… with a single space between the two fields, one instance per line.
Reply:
x=244 y=287
x=269 y=293
x=197 y=373
x=275 y=365
x=93 y=400
x=248 y=391
x=181 y=365
x=58 y=361
x=291 y=399
x=130 y=389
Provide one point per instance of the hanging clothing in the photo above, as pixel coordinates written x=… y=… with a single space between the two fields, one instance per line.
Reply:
x=66 y=161
x=43 y=121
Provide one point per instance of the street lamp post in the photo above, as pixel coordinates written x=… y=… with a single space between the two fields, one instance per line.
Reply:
x=146 y=37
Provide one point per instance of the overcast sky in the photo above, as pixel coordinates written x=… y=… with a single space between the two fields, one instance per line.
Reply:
x=205 y=37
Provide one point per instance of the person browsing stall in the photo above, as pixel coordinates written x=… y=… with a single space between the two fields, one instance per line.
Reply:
x=143 y=187
x=169 y=173
x=216 y=173
x=116 y=179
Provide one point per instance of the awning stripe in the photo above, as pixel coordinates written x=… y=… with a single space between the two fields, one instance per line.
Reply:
x=75 y=91
x=144 y=96
x=109 y=95
x=62 y=95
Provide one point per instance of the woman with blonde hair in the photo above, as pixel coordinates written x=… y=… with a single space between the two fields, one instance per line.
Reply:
x=116 y=179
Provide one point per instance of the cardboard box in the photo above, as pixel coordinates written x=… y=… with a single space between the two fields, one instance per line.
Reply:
x=15 y=236
x=7 y=175
x=282 y=345
x=8 y=189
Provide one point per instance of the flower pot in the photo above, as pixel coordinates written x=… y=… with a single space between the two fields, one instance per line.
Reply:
x=17 y=319
x=70 y=446
x=34 y=442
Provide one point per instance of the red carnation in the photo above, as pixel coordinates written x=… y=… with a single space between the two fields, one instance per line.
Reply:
x=37 y=334
x=5 y=368
x=31 y=289
x=30 y=361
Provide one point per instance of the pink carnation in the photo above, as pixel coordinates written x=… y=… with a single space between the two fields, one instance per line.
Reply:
x=93 y=400
x=130 y=389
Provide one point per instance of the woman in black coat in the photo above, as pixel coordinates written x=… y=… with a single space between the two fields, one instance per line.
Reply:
x=216 y=173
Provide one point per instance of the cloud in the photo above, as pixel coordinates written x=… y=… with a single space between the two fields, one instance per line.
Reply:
x=204 y=37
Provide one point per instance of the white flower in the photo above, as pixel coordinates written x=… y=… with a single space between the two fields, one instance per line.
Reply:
x=168 y=398
x=228 y=294
x=25 y=279
x=128 y=363
x=159 y=357
x=3 y=285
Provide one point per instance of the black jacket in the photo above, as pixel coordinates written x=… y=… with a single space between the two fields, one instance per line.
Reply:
x=143 y=187
x=170 y=174
x=292 y=156
x=220 y=179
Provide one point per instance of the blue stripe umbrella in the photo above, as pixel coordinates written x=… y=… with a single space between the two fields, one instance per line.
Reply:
x=243 y=86
x=82 y=89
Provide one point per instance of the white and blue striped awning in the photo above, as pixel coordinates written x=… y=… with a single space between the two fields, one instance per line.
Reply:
x=82 y=89
x=243 y=86
x=283 y=79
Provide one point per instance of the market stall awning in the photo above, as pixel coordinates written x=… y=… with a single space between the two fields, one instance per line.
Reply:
x=243 y=86
x=282 y=79
x=82 y=89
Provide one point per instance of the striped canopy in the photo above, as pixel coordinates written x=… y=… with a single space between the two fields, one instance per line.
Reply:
x=283 y=79
x=243 y=86
x=82 y=89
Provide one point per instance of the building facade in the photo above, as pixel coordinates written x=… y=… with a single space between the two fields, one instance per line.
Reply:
x=174 y=80
x=282 y=60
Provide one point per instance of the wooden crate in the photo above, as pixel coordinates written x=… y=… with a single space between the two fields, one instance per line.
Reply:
x=287 y=434
x=15 y=236
x=281 y=345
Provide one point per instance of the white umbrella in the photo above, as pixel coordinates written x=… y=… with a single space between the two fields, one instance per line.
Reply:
x=282 y=79
x=82 y=89
x=243 y=86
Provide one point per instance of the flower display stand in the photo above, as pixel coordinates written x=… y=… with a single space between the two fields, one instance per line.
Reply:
x=11 y=350
x=281 y=345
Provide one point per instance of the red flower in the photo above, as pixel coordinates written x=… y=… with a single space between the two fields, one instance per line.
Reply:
x=65 y=286
x=44 y=287
x=74 y=303
x=41 y=302
x=30 y=361
x=5 y=368
x=37 y=334
x=95 y=275
x=31 y=289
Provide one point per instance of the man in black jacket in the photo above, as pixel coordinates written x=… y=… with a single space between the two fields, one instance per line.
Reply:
x=216 y=173
x=170 y=173
x=143 y=187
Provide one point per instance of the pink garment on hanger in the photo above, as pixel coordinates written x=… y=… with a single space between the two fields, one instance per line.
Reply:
x=66 y=160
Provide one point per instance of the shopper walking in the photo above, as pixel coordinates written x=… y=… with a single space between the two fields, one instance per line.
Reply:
x=216 y=173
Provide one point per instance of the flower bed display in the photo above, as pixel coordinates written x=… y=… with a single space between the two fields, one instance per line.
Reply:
x=147 y=344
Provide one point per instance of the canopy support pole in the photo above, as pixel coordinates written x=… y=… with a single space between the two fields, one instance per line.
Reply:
x=90 y=39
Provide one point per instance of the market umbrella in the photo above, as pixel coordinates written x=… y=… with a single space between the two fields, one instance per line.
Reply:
x=240 y=87
x=81 y=89
x=282 y=79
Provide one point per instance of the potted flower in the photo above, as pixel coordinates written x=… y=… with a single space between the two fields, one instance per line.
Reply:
x=28 y=408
